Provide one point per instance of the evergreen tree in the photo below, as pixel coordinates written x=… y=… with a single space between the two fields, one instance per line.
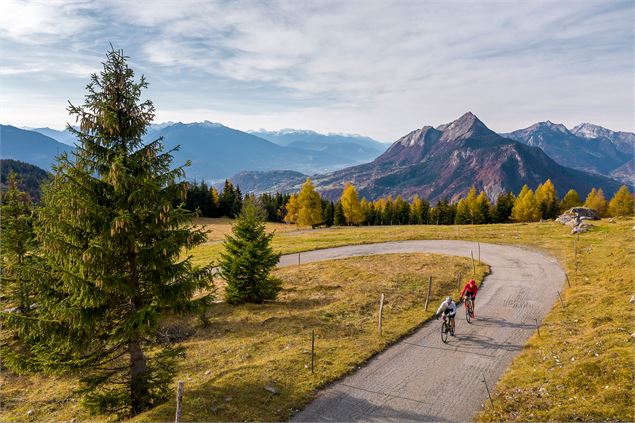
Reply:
x=248 y=259
x=309 y=205
x=329 y=213
x=595 y=200
x=114 y=246
x=351 y=206
x=622 y=203
x=402 y=211
x=502 y=211
x=338 y=216
x=230 y=200
x=18 y=243
x=526 y=209
x=443 y=213
x=547 y=199
x=470 y=202
x=388 y=217
x=571 y=199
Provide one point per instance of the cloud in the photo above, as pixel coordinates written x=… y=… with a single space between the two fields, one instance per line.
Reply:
x=369 y=67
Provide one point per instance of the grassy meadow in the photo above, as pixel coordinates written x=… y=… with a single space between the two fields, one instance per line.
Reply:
x=580 y=368
x=248 y=348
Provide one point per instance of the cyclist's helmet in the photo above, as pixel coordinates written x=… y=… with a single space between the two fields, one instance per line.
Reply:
x=449 y=299
x=472 y=281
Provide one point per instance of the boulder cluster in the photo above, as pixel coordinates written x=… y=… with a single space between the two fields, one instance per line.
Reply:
x=577 y=218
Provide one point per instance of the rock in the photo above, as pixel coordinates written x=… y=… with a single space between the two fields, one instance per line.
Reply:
x=584 y=212
x=575 y=215
x=208 y=372
x=632 y=300
x=227 y=399
x=272 y=389
x=581 y=228
x=74 y=420
x=611 y=220
x=29 y=413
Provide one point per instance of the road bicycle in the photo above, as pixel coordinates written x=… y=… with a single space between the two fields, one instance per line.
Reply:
x=446 y=328
x=469 y=309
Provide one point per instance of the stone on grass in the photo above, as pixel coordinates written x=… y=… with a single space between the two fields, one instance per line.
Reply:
x=29 y=413
x=272 y=389
x=632 y=300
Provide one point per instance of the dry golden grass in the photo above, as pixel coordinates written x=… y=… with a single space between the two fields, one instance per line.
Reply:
x=247 y=347
x=217 y=228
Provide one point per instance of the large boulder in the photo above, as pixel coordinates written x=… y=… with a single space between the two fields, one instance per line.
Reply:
x=576 y=218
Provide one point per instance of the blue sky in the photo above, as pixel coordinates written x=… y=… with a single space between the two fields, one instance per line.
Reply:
x=376 y=68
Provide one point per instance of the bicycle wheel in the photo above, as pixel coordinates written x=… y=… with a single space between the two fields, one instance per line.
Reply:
x=445 y=329
x=468 y=311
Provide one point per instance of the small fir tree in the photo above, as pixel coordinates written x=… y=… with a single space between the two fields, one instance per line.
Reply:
x=338 y=217
x=502 y=210
x=248 y=259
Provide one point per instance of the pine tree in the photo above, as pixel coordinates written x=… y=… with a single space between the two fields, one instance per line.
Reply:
x=230 y=200
x=329 y=214
x=595 y=200
x=338 y=217
x=622 y=203
x=309 y=205
x=248 y=259
x=402 y=211
x=18 y=243
x=292 y=209
x=114 y=244
x=350 y=205
x=547 y=199
x=472 y=206
x=571 y=199
x=502 y=211
x=526 y=209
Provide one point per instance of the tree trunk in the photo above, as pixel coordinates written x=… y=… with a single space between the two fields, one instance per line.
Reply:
x=138 y=377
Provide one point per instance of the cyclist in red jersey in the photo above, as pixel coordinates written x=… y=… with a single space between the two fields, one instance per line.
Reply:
x=470 y=289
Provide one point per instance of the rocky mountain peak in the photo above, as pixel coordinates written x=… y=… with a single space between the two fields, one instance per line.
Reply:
x=464 y=127
x=419 y=137
x=558 y=127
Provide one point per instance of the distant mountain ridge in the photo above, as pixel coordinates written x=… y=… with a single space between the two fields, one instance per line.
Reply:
x=586 y=147
x=446 y=161
x=30 y=147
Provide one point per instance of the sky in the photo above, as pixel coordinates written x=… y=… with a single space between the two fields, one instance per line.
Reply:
x=376 y=68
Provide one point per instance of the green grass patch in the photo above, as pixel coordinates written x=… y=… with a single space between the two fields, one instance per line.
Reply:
x=247 y=348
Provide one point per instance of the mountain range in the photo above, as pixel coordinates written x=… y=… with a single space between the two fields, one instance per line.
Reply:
x=432 y=162
x=215 y=151
x=444 y=162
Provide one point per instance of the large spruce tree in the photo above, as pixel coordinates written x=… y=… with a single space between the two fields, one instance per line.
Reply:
x=114 y=243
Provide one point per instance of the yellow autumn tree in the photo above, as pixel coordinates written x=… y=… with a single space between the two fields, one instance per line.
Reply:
x=595 y=200
x=292 y=208
x=622 y=203
x=571 y=199
x=526 y=208
x=547 y=199
x=350 y=205
x=309 y=205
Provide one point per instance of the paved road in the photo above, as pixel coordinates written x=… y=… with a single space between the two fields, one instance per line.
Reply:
x=420 y=378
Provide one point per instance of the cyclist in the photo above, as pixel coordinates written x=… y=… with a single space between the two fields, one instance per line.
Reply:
x=449 y=310
x=470 y=289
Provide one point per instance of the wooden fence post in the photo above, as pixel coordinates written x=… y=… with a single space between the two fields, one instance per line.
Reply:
x=428 y=294
x=561 y=302
x=381 y=310
x=567 y=276
x=179 y=401
x=473 y=266
x=312 y=350
x=298 y=259
x=488 y=394
x=479 y=253
x=537 y=327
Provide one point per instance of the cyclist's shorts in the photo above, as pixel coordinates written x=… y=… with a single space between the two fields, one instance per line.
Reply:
x=449 y=313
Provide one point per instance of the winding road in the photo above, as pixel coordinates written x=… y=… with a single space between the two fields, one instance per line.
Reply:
x=422 y=379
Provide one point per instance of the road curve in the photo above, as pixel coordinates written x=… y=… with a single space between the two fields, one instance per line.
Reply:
x=420 y=378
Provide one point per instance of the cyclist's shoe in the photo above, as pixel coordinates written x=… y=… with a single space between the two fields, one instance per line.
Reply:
x=452 y=333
